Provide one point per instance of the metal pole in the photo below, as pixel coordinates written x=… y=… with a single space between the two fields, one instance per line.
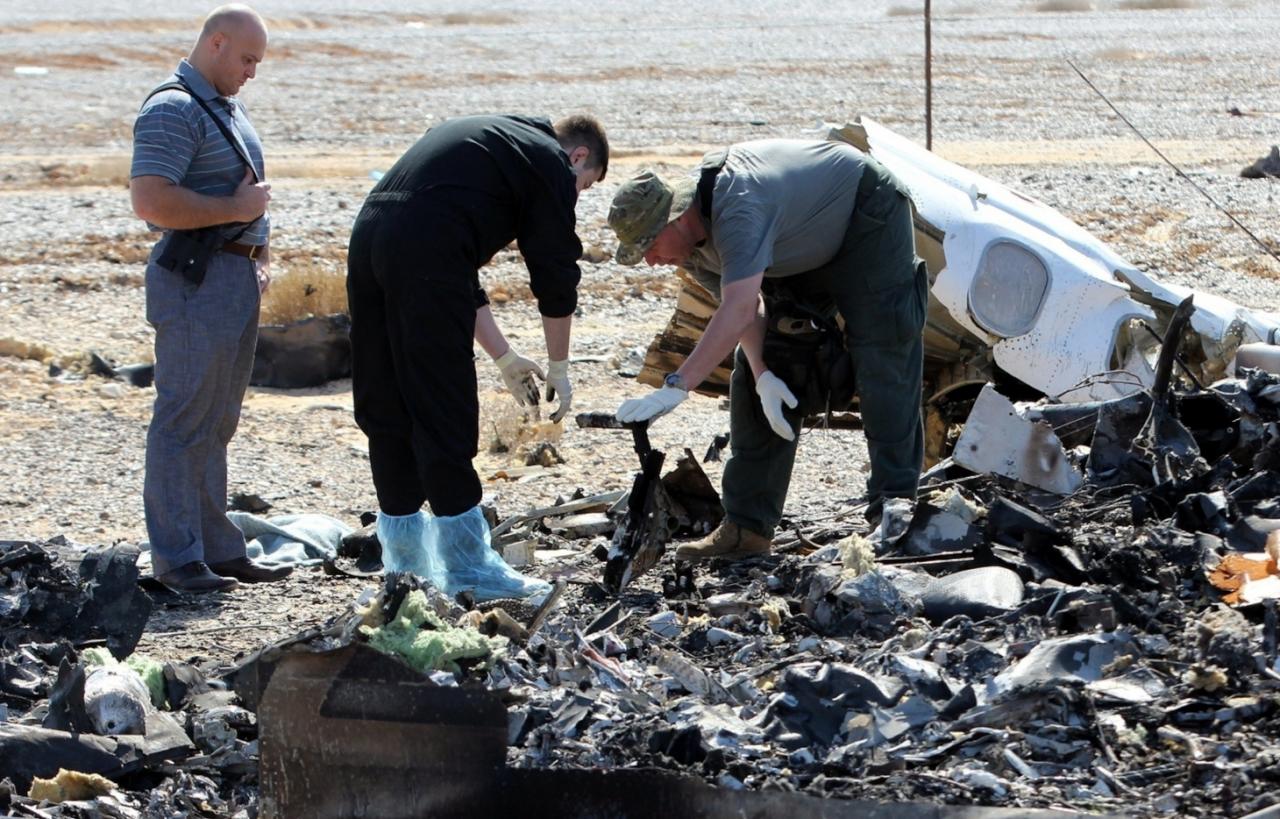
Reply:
x=928 y=75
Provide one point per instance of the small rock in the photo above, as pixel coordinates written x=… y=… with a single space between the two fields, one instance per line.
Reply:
x=596 y=254
x=629 y=363
x=543 y=454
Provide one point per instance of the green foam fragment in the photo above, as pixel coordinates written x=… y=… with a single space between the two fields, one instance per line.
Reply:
x=152 y=673
x=427 y=643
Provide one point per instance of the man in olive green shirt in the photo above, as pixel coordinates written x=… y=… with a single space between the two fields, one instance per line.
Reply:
x=830 y=227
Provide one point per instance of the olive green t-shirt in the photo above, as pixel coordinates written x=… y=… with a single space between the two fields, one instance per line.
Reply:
x=779 y=206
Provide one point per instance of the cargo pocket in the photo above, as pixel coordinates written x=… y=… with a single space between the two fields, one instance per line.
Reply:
x=883 y=242
x=888 y=316
x=884 y=303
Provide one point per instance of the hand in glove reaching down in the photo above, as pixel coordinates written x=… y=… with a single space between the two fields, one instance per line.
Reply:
x=773 y=394
x=518 y=373
x=654 y=405
x=558 y=386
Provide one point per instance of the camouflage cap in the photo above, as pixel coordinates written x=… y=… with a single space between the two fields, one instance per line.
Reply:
x=642 y=207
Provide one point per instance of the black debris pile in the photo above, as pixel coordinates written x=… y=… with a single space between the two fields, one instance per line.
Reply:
x=1110 y=650
x=304 y=353
x=88 y=728
x=1263 y=167
x=44 y=598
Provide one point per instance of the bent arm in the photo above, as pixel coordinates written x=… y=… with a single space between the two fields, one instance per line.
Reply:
x=171 y=206
x=738 y=311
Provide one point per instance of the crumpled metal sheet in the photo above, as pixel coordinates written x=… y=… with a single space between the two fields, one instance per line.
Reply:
x=999 y=440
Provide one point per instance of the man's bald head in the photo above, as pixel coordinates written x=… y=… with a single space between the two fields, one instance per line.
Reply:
x=231 y=44
x=232 y=19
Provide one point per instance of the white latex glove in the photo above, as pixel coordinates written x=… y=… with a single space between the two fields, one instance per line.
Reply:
x=558 y=386
x=773 y=394
x=654 y=405
x=518 y=374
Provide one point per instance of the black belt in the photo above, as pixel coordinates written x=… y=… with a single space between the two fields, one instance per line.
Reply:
x=239 y=249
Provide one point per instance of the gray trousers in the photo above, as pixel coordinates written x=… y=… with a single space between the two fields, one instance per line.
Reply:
x=205 y=341
x=880 y=290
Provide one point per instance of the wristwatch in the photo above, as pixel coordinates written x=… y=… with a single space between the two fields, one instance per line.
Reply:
x=675 y=380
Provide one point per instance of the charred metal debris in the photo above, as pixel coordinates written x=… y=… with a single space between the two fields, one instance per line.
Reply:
x=1080 y=616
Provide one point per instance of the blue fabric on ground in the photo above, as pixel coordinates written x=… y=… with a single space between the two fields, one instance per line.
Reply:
x=284 y=540
x=290 y=540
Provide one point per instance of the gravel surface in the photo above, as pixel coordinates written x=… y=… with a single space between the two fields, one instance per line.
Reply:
x=346 y=87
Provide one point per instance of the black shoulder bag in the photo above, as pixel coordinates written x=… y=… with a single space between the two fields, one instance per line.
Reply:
x=805 y=347
x=189 y=252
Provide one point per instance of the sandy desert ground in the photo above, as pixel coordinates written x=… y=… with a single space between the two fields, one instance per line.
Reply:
x=347 y=86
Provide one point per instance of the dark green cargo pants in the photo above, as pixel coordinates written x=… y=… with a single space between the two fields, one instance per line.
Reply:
x=881 y=290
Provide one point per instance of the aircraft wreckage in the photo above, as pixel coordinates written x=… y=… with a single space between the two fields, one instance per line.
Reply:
x=1018 y=291
x=1115 y=649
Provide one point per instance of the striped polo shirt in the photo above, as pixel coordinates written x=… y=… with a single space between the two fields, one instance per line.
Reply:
x=174 y=137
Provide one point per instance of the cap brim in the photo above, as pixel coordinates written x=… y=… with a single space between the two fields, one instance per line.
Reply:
x=683 y=191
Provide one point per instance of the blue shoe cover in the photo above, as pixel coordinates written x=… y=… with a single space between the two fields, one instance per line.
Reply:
x=460 y=549
x=404 y=547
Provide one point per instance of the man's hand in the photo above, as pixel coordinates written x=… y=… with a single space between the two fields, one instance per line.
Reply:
x=773 y=394
x=264 y=276
x=558 y=386
x=518 y=374
x=654 y=405
x=250 y=199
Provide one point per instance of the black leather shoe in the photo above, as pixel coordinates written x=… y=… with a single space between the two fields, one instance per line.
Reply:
x=195 y=578
x=242 y=568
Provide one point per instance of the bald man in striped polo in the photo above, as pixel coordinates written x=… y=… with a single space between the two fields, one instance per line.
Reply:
x=197 y=177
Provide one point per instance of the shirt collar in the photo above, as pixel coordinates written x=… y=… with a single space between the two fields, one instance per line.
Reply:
x=196 y=80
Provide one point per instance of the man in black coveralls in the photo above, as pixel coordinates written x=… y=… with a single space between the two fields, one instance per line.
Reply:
x=466 y=189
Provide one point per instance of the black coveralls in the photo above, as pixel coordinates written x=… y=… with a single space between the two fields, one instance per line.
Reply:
x=462 y=193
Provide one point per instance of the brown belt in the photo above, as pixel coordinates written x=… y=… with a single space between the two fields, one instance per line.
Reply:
x=248 y=251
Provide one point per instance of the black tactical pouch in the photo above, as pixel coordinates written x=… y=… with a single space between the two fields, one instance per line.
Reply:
x=807 y=351
x=189 y=252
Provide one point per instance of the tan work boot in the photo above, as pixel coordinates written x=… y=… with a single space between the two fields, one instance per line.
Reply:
x=728 y=542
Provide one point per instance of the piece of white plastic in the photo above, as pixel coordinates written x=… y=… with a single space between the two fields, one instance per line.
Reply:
x=998 y=440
